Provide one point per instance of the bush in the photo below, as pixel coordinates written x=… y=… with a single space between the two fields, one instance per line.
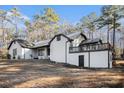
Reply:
x=13 y=57
x=8 y=56
x=3 y=53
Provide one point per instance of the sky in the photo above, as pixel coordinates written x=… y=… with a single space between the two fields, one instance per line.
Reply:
x=70 y=13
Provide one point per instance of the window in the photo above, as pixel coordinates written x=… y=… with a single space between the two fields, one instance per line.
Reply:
x=40 y=52
x=14 y=52
x=48 y=51
x=14 y=42
x=58 y=38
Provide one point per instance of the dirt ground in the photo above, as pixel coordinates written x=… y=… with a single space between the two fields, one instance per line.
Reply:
x=47 y=75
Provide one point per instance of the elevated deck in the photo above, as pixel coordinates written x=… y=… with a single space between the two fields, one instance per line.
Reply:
x=94 y=47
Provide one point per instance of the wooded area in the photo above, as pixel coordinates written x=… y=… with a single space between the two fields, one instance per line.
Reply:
x=109 y=27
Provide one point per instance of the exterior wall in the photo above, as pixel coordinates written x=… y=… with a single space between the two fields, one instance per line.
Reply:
x=73 y=59
x=22 y=53
x=26 y=53
x=57 y=50
x=97 y=59
x=45 y=55
x=110 y=58
x=34 y=53
x=19 y=50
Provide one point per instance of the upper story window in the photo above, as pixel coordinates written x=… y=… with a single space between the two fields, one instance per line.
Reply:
x=58 y=38
x=14 y=42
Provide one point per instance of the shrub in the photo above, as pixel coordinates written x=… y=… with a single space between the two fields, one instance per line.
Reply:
x=8 y=56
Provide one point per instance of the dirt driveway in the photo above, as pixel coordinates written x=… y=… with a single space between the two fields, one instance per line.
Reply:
x=44 y=74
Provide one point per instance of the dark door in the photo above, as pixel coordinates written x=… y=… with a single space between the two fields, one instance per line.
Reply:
x=81 y=61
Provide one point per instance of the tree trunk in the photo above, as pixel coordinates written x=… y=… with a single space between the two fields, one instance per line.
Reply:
x=108 y=34
x=114 y=21
x=3 y=32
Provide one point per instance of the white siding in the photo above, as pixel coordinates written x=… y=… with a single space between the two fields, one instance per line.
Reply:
x=97 y=59
x=73 y=58
x=19 y=50
x=110 y=59
x=26 y=53
x=57 y=50
x=34 y=53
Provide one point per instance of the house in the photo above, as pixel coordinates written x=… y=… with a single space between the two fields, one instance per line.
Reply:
x=41 y=50
x=20 y=49
x=77 y=49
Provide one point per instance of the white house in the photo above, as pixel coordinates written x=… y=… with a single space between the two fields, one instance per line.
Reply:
x=41 y=50
x=20 y=49
x=77 y=50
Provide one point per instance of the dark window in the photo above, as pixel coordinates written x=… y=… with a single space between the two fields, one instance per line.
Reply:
x=48 y=51
x=14 y=52
x=58 y=38
x=14 y=42
x=40 y=52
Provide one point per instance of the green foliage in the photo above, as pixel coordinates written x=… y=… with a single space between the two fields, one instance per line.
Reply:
x=45 y=25
x=108 y=14
x=88 y=22
x=50 y=15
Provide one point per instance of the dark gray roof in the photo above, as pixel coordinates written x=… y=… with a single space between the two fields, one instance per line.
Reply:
x=41 y=43
x=22 y=43
x=91 y=41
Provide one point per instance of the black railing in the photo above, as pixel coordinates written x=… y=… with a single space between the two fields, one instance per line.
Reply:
x=96 y=47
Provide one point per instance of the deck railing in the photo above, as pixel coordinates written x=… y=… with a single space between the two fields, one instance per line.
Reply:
x=96 y=47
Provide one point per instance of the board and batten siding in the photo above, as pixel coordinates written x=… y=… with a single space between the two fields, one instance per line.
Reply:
x=58 y=50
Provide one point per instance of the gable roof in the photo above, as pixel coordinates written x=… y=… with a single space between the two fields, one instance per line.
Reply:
x=76 y=34
x=22 y=43
x=69 y=37
x=91 y=41
x=41 y=44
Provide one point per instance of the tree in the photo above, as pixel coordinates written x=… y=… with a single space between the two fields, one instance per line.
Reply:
x=67 y=28
x=2 y=19
x=45 y=25
x=16 y=18
x=87 y=22
x=110 y=16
